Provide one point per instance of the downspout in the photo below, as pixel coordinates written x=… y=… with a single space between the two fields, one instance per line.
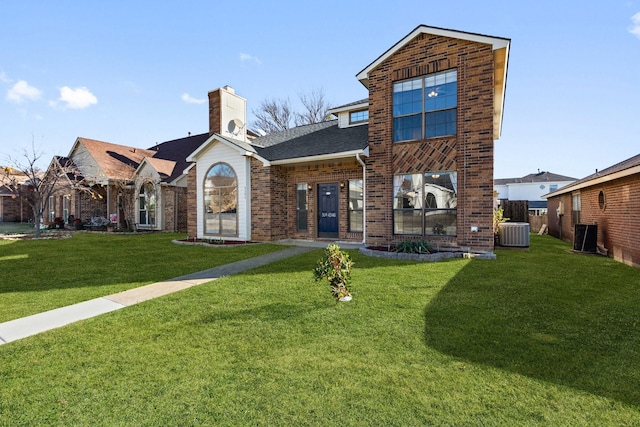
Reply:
x=364 y=199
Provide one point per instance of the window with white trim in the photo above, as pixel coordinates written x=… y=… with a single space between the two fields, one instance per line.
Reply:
x=301 y=207
x=147 y=201
x=356 y=206
x=358 y=116
x=221 y=201
x=425 y=107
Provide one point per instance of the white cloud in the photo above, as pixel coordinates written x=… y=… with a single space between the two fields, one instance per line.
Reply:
x=76 y=98
x=21 y=91
x=191 y=100
x=635 y=28
x=4 y=78
x=244 y=57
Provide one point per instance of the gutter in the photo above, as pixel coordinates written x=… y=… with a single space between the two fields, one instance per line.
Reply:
x=594 y=181
x=364 y=199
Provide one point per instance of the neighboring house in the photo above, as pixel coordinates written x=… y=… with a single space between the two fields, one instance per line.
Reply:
x=12 y=208
x=131 y=187
x=610 y=199
x=531 y=188
x=413 y=161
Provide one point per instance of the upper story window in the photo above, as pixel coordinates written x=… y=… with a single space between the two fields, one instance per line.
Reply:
x=358 y=116
x=425 y=107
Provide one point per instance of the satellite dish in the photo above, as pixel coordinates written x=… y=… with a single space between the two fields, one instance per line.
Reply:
x=235 y=126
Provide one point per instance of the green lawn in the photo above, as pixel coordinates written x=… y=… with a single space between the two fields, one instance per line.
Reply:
x=39 y=275
x=541 y=337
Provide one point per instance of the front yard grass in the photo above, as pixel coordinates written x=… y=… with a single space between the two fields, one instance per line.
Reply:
x=40 y=275
x=540 y=337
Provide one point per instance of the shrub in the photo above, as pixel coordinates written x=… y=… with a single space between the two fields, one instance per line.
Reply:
x=414 y=247
x=336 y=267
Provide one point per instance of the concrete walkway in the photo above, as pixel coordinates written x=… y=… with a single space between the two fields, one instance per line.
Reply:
x=32 y=325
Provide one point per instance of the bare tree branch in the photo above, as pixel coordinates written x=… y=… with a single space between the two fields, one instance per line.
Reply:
x=273 y=115
x=315 y=108
x=276 y=115
x=25 y=180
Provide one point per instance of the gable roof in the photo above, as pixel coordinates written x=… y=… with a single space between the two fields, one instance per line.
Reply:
x=319 y=141
x=533 y=177
x=116 y=161
x=177 y=151
x=630 y=166
x=324 y=139
x=164 y=168
x=500 y=48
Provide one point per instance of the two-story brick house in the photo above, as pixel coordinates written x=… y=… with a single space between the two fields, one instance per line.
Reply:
x=413 y=161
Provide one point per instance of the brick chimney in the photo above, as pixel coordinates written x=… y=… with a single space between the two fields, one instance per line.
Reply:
x=227 y=113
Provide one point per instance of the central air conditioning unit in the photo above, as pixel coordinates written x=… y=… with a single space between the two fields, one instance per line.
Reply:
x=514 y=234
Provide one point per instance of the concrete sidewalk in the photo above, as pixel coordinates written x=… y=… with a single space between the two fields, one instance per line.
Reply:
x=31 y=325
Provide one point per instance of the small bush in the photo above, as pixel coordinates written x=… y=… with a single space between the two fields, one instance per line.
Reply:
x=335 y=266
x=414 y=247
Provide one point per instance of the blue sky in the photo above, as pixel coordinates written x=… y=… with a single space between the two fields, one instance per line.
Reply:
x=138 y=72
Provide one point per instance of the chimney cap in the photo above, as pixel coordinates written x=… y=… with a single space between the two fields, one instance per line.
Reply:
x=228 y=89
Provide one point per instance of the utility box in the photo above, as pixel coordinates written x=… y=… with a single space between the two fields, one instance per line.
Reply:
x=585 y=238
x=514 y=234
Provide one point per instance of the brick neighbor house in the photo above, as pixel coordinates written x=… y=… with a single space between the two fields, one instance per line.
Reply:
x=413 y=161
x=608 y=199
x=134 y=188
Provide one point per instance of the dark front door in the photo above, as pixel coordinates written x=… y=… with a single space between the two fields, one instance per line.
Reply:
x=328 y=210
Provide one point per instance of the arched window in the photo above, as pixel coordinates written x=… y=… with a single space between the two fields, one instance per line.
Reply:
x=221 y=201
x=147 y=205
x=430 y=201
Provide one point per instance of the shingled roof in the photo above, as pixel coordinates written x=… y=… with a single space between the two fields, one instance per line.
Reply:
x=116 y=161
x=318 y=139
x=626 y=167
x=177 y=151
x=534 y=177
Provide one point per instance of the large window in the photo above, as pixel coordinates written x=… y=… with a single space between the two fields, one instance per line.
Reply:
x=425 y=204
x=301 y=207
x=355 y=206
x=147 y=205
x=221 y=201
x=425 y=107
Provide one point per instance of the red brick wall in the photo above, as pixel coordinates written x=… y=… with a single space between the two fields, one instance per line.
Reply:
x=15 y=210
x=618 y=220
x=274 y=198
x=470 y=152
x=215 y=112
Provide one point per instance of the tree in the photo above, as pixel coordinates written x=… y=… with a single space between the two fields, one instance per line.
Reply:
x=276 y=115
x=315 y=109
x=26 y=181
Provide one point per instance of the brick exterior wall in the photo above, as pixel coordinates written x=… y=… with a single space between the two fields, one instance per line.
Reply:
x=192 y=203
x=15 y=210
x=470 y=152
x=273 y=209
x=215 y=111
x=618 y=220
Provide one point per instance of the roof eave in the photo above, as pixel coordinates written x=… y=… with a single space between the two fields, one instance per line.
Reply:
x=322 y=157
x=499 y=45
x=360 y=106
x=594 y=181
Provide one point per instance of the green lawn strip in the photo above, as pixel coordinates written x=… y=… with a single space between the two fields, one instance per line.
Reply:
x=39 y=275
x=462 y=342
